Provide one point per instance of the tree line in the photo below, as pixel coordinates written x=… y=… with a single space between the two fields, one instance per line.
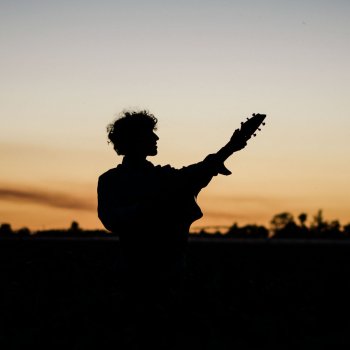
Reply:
x=285 y=225
x=282 y=225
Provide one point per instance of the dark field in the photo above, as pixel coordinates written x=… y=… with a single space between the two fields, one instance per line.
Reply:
x=244 y=294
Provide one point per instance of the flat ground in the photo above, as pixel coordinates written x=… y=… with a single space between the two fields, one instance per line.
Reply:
x=241 y=294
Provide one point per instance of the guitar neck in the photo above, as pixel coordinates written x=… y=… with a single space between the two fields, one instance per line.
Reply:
x=225 y=152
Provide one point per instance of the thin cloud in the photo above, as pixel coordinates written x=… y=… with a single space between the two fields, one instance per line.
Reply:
x=260 y=200
x=52 y=199
x=219 y=215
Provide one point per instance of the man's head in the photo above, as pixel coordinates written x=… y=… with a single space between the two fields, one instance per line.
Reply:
x=133 y=134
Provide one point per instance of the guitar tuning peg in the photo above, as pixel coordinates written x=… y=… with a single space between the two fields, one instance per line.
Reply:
x=259 y=129
x=242 y=123
x=263 y=123
x=247 y=118
x=254 y=135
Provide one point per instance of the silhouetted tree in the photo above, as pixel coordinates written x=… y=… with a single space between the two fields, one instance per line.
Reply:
x=302 y=219
x=334 y=230
x=23 y=232
x=74 y=228
x=255 y=231
x=318 y=220
x=233 y=231
x=320 y=228
x=283 y=225
x=346 y=230
x=247 y=231
x=280 y=221
x=6 y=230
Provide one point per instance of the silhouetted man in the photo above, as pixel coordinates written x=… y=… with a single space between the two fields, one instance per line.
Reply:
x=151 y=208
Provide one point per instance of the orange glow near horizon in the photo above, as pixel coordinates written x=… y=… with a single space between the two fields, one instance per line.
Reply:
x=38 y=208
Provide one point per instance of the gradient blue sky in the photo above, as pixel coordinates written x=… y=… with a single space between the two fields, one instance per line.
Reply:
x=68 y=67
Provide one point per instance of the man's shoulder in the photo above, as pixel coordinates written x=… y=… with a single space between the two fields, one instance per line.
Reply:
x=165 y=168
x=110 y=173
x=119 y=171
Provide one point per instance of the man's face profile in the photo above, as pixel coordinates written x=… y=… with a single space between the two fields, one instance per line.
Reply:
x=151 y=143
x=146 y=141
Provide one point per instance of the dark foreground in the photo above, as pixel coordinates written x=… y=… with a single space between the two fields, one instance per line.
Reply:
x=243 y=294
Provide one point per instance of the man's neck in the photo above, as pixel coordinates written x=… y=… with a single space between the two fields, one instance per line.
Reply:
x=134 y=159
x=137 y=162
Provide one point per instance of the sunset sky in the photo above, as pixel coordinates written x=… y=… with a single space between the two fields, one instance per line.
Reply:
x=201 y=67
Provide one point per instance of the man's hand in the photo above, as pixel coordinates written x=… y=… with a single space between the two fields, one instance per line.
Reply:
x=238 y=141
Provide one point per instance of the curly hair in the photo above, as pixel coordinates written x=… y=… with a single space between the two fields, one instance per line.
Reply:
x=123 y=132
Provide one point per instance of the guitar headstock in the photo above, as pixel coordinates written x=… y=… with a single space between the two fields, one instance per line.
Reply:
x=252 y=124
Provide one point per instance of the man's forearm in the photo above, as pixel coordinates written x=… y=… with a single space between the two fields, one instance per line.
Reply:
x=236 y=143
